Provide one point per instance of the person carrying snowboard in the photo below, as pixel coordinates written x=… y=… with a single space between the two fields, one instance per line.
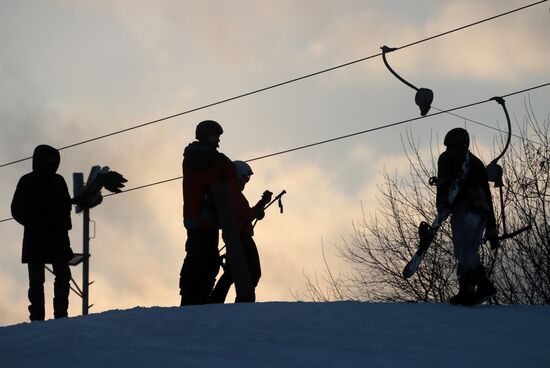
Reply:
x=202 y=167
x=245 y=215
x=42 y=204
x=471 y=214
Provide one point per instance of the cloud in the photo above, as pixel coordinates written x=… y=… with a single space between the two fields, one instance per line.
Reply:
x=506 y=49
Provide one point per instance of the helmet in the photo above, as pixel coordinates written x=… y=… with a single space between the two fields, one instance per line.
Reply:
x=243 y=171
x=457 y=138
x=206 y=129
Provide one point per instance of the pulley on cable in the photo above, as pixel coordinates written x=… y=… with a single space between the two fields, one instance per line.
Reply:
x=423 y=97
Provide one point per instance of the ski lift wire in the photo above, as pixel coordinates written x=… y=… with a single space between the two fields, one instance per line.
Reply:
x=337 y=138
x=125 y=130
x=354 y=134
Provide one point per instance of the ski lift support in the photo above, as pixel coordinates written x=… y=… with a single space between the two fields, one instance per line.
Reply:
x=86 y=196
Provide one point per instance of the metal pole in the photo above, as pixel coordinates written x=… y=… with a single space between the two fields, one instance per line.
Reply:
x=85 y=262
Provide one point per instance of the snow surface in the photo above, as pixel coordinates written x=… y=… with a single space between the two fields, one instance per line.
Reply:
x=340 y=334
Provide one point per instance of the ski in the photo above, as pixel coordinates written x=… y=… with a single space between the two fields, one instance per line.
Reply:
x=230 y=234
x=426 y=232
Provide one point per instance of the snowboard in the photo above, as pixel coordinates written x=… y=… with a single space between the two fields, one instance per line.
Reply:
x=426 y=233
x=235 y=254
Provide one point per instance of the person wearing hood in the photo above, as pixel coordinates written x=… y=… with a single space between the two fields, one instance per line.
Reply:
x=42 y=204
x=202 y=167
x=471 y=214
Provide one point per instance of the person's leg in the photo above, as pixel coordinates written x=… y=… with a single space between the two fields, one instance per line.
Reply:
x=190 y=271
x=186 y=276
x=200 y=267
x=211 y=265
x=61 y=287
x=36 y=291
x=252 y=258
x=467 y=228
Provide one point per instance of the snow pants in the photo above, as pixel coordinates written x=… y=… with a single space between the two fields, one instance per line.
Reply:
x=226 y=280
x=467 y=226
x=200 y=266
x=62 y=274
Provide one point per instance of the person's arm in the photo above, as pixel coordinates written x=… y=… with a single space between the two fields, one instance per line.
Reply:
x=443 y=181
x=243 y=211
x=18 y=203
x=65 y=202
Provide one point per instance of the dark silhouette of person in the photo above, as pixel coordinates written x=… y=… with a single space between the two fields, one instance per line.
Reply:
x=42 y=204
x=244 y=215
x=202 y=167
x=472 y=213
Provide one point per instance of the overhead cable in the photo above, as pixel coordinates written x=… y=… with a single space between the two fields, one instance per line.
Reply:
x=381 y=127
x=282 y=83
x=370 y=130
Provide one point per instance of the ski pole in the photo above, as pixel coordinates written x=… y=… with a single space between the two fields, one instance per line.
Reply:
x=277 y=198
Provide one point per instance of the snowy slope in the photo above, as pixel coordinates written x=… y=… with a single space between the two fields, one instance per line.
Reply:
x=343 y=334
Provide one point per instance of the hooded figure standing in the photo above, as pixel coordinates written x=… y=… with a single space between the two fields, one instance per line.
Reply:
x=471 y=214
x=202 y=166
x=42 y=204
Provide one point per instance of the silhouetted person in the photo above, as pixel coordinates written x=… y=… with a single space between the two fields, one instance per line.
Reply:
x=42 y=204
x=471 y=213
x=244 y=215
x=203 y=166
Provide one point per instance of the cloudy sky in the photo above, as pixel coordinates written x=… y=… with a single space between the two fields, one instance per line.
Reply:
x=73 y=70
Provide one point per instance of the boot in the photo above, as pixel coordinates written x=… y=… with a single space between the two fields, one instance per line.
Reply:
x=485 y=288
x=37 y=311
x=466 y=289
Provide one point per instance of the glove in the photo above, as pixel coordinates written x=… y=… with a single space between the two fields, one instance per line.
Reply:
x=491 y=234
x=259 y=208
x=266 y=197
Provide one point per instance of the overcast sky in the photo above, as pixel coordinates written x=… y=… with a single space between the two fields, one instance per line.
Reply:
x=73 y=70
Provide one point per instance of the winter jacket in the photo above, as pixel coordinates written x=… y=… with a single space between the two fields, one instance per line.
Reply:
x=474 y=192
x=42 y=204
x=243 y=212
x=202 y=167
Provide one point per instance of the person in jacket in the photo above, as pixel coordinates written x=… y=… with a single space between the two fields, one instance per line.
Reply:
x=245 y=215
x=202 y=167
x=471 y=214
x=42 y=204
